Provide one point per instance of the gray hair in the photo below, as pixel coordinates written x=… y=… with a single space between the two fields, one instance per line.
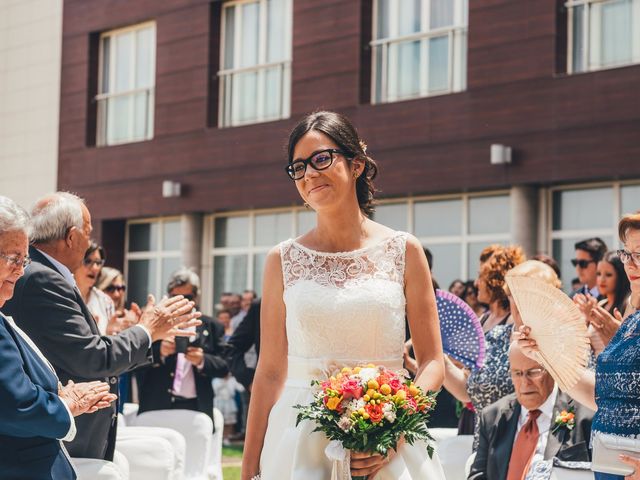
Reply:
x=13 y=218
x=53 y=216
x=183 y=276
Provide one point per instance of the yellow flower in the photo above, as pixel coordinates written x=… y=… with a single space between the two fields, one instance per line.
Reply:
x=333 y=402
x=385 y=389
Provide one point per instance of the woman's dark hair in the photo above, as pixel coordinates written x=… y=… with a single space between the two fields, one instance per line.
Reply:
x=339 y=129
x=92 y=248
x=469 y=287
x=623 y=288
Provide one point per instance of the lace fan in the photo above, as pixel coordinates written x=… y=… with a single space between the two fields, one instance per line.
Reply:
x=556 y=325
x=462 y=336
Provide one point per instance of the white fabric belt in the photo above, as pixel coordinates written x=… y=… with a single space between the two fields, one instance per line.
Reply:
x=301 y=371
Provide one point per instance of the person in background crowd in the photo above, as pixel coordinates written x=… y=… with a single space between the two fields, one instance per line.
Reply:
x=98 y=302
x=456 y=287
x=181 y=373
x=488 y=384
x=49 y=308
x=521 y=426
x=111 y=282
x=617 y=403
x=575 y=285
x=470 y=297
x=237 y=314
x=248 y=296
x=36 y=411
x=224 y=319
x=546 y=259
x=588 y=253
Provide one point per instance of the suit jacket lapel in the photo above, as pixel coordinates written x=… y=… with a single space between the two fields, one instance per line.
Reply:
x=557 y=438
x=505 y=437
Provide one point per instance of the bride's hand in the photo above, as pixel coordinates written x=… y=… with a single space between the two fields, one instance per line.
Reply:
x=368 y=465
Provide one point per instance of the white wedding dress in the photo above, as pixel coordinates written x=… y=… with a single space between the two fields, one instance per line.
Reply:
x=342 y=309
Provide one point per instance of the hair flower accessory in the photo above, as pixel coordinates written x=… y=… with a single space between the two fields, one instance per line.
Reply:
x=565 y=419
x=363 y=146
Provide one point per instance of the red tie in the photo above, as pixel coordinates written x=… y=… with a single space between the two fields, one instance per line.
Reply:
x=524 y=448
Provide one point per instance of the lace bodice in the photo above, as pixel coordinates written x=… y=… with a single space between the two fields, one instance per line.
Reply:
x=345 y=306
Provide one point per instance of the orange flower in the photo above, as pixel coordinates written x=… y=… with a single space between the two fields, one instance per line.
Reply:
x=333 y=403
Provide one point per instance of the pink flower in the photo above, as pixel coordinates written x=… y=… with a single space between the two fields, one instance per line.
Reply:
x=351 y=388
x=411 y=404
x=395 y=384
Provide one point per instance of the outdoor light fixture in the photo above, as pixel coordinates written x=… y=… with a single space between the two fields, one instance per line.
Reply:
x=500 y=154
x=171 y=189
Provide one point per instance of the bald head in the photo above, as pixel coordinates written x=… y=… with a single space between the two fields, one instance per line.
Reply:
x=532 y=382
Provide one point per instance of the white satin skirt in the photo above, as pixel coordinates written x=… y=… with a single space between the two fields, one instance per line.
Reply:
x=298 y=453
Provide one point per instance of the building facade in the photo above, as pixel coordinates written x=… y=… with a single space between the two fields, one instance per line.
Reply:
x=30 y=49
x=491 y=121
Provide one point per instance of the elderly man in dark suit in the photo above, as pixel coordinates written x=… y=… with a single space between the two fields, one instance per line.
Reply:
x=49 y=308
x=180 y=376
x=522 y=428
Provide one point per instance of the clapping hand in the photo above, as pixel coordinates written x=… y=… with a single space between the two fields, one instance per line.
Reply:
x=605 y=324
x=585 y=303
x=170 y=317
x=86 y=397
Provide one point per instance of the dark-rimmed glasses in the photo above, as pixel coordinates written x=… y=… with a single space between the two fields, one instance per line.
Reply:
x=16 y=260
x=531 y=374
x=629 y=257
x=88 y=262
x=581 y=263
x=318 y=160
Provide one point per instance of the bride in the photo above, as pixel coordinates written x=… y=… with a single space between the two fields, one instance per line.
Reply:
x=336 y=296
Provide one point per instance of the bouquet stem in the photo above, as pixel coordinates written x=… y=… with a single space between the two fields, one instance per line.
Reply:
x=359 y=478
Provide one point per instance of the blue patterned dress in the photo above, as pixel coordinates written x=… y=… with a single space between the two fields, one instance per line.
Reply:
x=618 y=384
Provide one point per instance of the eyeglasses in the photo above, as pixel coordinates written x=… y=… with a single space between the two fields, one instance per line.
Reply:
x=116 y=288
x=581 y=263
x=319 y=161
x=531 y=374
x=629 y=257
x=16 y=260
x=88 y=262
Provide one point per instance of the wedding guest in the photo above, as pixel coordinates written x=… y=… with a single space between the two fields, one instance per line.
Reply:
x=470 y=297
x=111 y=282
x=541 y=257
x=575 y=285
x=523 y=427
x=248 y=296
x=617 y=403
x=182 y=379
x=588 y=253
x=49 y=308
x=36 y=412
x=456 y=287
x=613 y=284
x=224 y=318
x=488 y=384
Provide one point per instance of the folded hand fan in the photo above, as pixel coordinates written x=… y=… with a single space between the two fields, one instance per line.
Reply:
x=556 y=325
x=462 y=336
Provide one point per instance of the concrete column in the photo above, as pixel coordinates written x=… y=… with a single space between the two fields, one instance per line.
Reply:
x=524 y=217
x=191 y=229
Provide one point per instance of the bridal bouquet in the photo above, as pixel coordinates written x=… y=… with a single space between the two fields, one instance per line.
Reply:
x=368 y=409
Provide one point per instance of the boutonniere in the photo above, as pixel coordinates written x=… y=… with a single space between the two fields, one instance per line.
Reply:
x=565 y=419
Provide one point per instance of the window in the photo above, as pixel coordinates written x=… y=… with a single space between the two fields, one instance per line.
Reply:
x=126 y=87
x=454 y=228
x=240 y=243
x=255 y=79
x=583 y=212
x=154 y=251
x=603 y=34
x=419 y=48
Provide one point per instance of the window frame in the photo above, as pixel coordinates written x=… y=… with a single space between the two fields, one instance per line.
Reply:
x=158 y=255
x=102 y=127
x=587 y=38
x=457 y=35
x=225 y=102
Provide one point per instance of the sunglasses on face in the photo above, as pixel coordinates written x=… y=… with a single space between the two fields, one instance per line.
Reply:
x=581 y=263
x=319 y=161
x=629 y=257
x=116 y=288
x=88 y=262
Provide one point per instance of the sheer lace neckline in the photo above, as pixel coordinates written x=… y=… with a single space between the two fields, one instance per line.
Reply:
x=349 y=253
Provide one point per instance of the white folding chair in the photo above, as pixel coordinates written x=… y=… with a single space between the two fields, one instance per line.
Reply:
x=214 y=470
x=453 y=452
x=93 y=469
x=196 y=427
x=150 y=458
x=567 y=474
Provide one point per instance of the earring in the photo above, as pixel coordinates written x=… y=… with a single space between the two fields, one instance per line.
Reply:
x=306 y=205
x=356 y=174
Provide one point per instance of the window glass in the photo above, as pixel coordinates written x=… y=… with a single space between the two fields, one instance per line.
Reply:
x=441 y=13
x=446 y=263
x=231 y=231
x=143 y=237
x=630 y=199
x=615 y=24
x=171 y=233
x=435 y=218
x=583 y=209
x=141 y=280
x=272 y=228
x=392 y=215
x=306 y=221
x=473 y=255
x=489 y=214
x=258 y=272
x=250 y=32
x=124 y=61
x=169 y=265
x=438 y=64
x=229 y=32
x=229 y=274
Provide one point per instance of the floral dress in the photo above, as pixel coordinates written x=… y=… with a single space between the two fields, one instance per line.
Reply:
x=493 y=381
